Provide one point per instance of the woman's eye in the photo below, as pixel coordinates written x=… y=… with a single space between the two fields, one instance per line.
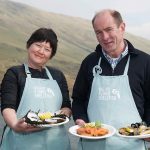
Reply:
x=38 y=45
x=48 y=50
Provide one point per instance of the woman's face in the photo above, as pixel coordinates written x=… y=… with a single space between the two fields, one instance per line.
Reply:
x=38 y=54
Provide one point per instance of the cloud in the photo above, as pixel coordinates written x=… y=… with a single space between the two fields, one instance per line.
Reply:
x=135 y=13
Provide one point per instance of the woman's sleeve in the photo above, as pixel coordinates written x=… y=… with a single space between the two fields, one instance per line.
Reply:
x=9 y=88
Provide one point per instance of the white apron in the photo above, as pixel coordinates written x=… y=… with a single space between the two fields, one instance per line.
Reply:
x=111 y=102
x=43 y=95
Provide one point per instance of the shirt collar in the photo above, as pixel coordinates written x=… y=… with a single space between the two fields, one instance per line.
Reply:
x=114 y=61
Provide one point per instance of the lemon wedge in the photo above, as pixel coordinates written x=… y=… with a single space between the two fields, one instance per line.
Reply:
x=45 y=115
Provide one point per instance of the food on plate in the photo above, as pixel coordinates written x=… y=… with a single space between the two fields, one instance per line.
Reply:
x=40 y=118
x=135 y=129
x=46 y=115
x=92 y=129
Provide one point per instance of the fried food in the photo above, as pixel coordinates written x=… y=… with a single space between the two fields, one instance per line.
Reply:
x=92 y=131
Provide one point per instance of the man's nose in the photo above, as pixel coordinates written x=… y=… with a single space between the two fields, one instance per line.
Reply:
x=105 y=36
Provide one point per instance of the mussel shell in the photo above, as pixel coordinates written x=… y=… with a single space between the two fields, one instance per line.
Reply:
x=60 y=116
x=54 y=120
x=32 y=118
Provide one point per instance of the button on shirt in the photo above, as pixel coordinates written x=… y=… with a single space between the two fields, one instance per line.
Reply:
x=114 y=61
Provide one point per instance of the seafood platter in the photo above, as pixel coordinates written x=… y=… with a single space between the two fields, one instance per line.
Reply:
x=45 y=119
x=135 y=130
x=93 y=130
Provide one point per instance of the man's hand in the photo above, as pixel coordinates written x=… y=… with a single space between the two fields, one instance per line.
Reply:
x=80 y=122
x=147 y=139
x=66 y=111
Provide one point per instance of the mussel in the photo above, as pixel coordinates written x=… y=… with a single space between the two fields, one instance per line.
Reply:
x=137 y=128
x=37 y=118
x=32 y=118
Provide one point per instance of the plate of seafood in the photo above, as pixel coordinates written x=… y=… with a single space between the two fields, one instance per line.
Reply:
x=93 y=130
x=135 y=131
x=45 y=119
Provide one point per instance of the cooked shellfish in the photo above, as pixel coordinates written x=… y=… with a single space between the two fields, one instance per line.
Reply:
x=135 y=129
x=36 y=118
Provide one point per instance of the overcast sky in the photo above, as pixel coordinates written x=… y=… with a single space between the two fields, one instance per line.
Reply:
x=136 y=13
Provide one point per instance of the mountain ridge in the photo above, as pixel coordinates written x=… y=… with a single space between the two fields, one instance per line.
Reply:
x=75 y=35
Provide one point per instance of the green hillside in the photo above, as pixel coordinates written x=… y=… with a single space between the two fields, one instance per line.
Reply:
x=76 y=37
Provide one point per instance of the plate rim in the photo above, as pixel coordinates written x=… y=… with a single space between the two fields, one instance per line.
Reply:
x=133 y=136
x=91 y=137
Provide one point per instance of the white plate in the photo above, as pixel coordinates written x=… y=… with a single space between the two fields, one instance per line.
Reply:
x=133 y=136
x=52 y=125
x=112 y=131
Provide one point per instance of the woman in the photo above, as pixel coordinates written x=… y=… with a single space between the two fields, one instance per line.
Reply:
x=32 y=86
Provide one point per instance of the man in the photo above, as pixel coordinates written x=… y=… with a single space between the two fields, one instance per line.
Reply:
x=112 y=85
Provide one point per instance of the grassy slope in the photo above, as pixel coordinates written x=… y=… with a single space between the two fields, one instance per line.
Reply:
x=76 y=37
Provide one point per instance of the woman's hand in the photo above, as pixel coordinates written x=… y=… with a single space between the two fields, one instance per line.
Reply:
x=66 y=111
x=22 y=126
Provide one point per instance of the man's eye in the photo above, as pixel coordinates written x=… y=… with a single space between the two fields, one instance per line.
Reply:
x=98 y=33
x=109 y=29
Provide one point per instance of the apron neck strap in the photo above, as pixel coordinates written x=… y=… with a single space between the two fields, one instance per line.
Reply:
x=98 y=69
x=127 y=66
x=99 y=62
x=28 y=73
x=48 y=73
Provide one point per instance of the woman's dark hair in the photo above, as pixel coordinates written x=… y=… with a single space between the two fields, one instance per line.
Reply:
x=44 y=34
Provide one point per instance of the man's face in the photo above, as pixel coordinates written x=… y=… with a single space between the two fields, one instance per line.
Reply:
x=108 y=33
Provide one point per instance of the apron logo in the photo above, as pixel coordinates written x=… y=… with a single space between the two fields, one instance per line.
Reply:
x=43 y=92
x=108 y=94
